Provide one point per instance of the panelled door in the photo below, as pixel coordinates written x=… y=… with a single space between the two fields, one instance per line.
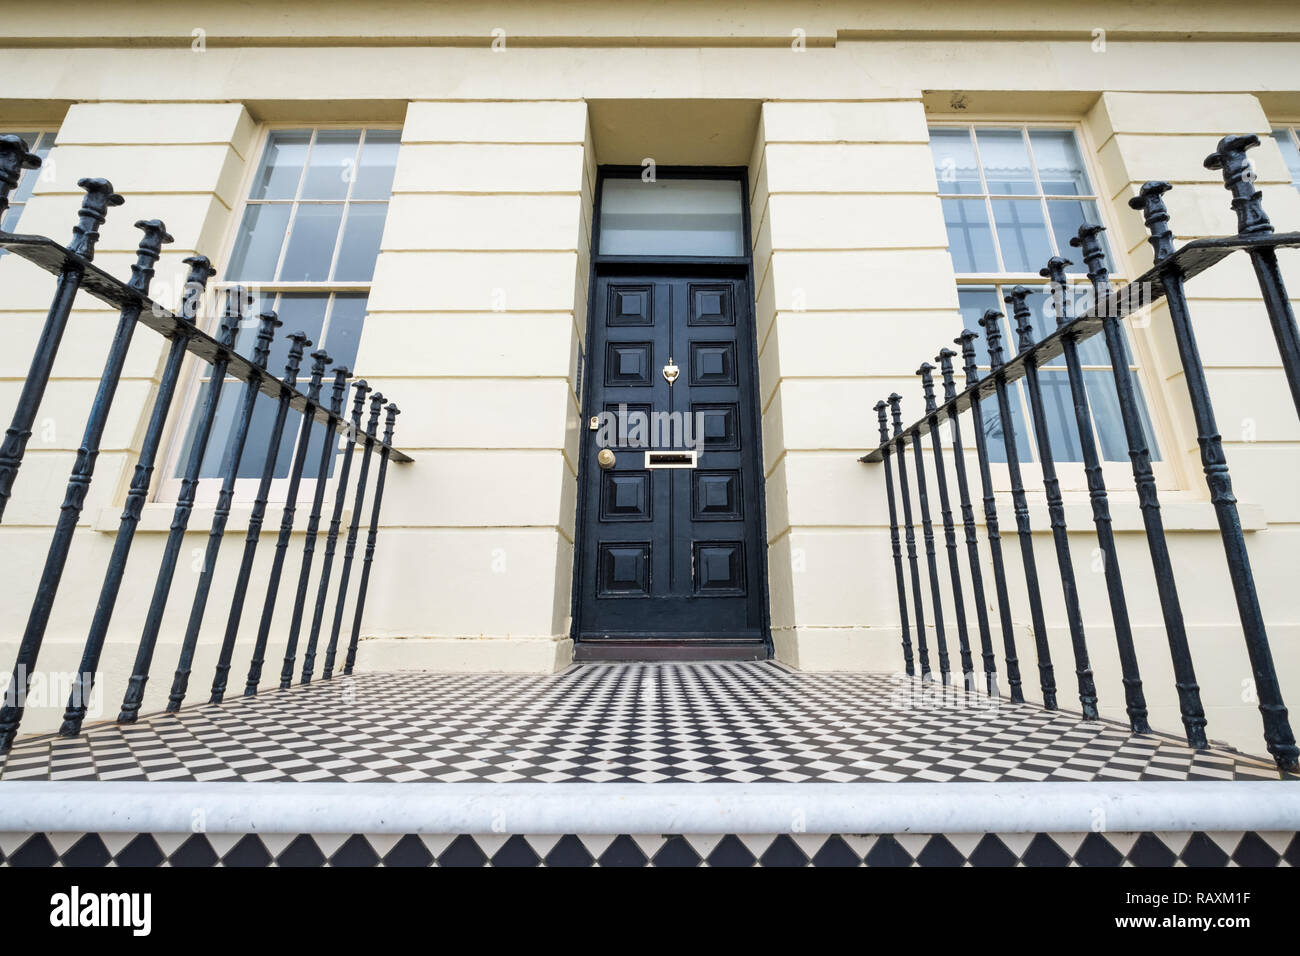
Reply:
x=670 y=560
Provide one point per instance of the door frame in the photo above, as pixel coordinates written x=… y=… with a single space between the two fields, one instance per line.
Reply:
x=732 y=267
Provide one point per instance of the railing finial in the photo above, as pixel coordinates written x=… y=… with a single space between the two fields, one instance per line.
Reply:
x=94 y=210
x=967 y=342
x=896 y=412
x=319 y=359
x=1239 y=179
x=882 y=419
x=944 y=358
x=1020 y=309
x=376 y=405
x=340 y=388
x=993 y=335
x=1054 y=273
x=196 y=283
x=1150 y=199
x=927 y=385
x=391 y=411
x=15 y=156
x=298 y=343
x=151 y=243
x=268 y=323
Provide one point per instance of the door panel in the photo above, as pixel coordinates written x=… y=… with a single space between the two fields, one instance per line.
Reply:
x=671 y=556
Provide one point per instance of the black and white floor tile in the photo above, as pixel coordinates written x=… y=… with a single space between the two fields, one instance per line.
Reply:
x=742 y=722
x=1247 y=849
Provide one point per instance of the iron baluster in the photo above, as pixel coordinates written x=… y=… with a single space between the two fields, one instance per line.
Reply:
x=950 y=538
x=360 y=388
x=1046 y=676
x=94 y=209
x=1055 y=509
x=909 y=663
x=267 y=325
x=134 y=695
x=320 y=359
x=83 y=471
x=909 y=533
x=967 y=342
x=298 y=343
x=390 y=419
x=1277 y=728
x=340 y=389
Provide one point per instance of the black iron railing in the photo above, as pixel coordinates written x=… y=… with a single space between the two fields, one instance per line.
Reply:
x=76 y=272
x=1109 y=307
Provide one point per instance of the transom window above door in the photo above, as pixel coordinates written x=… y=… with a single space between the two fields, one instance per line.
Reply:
x=671 y=217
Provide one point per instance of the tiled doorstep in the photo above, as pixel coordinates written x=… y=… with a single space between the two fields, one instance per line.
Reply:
x=612 y=808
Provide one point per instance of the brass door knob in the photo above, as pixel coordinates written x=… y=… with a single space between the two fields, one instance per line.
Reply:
x=605 y=459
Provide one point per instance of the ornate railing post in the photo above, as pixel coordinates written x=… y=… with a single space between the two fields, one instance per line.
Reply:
x=882 y=418
x=94 y=209
x=195 y=286
x=267 y=325
x=340 y=389
x=372 y=536
x=1277 y=728
x=83 y=471
x=967 y=342
x=134 y=695
x=1055 y=508
x=944 y=358
x=15 y=156
x=360 y=388
x=949 y=536
x=1046 y=676
x=909 y=533
x=320 y=359
x=1247 y=202
x=298 y=343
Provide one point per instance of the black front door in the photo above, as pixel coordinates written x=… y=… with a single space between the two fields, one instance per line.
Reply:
x=670 y=559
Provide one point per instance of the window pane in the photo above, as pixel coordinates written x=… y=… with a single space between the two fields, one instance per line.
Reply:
x=1104 y=401
x=311 y=245
x=1289 y=152
x=378 y=162
x=1006 y=161
x=1042 y=321
x=1058 y=410
x=954 y=161
x=970 y=241
x=1094 y=351
x=1022 y=234
x=360 y=245
x=221 y=438
x=1060 y=167
x=993 y=426
x=286 y=151
x=671 y=217
x=10 y=221
x=300 y=312
x=1067 y=216
x=345 y=328
x=332 y=165
x=261 y=236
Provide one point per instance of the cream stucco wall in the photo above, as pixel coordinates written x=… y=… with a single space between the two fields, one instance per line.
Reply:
x=478 y=308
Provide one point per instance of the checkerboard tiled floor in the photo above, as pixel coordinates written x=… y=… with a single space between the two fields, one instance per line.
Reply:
x=745 y=722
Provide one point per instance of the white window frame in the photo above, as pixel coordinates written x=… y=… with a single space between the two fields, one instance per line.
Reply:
x=1291 y=127
x=168 y=487
x=1070 y=473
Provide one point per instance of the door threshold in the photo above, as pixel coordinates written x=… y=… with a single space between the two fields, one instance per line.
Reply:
x=669 y=651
